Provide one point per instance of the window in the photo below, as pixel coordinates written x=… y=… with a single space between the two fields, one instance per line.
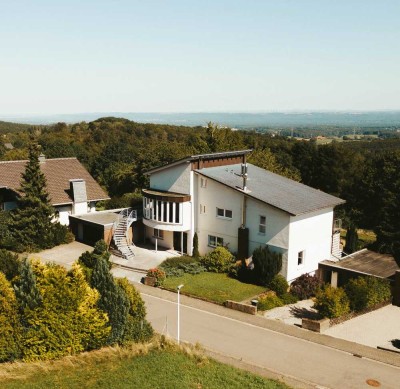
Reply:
x=159 y=234
x=226 y=213
x=215 y=241
x=203 y=182
x=300 y=258
x=262 y=225
x=202 y=208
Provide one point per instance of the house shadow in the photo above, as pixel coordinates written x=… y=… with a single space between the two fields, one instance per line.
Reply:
x=395 y=343
x=305 y=313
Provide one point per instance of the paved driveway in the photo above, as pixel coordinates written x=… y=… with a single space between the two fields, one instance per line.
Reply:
x=377 y=328
x=64 y=255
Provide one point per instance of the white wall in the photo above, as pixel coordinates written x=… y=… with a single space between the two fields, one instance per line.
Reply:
x=80 y=208
x=213 y=196
x=174 y=179
x=311 y=233
x=63 y=214
x=167 y=242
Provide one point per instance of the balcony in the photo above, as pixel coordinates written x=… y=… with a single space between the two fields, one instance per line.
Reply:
x=166 y=210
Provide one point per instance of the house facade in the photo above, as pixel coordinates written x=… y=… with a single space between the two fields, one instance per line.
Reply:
x=72 y=190
x=229 y=202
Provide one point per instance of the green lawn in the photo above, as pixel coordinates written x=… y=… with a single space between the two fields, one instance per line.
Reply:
x=217 y=287
x=154 y=367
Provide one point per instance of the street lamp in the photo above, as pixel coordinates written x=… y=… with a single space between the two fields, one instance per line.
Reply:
x=179 y=294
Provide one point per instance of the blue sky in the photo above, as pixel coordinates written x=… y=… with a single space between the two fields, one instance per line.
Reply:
x=192 y=56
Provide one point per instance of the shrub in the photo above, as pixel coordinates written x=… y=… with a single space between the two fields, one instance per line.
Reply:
x=279 y=285
x=158 y=274
x=219 y=260
x=331 y=302
x=289 y=298
x=351 y=240
x=305 y=286
x=366 y=292
x=267 y=264
x=269 y=301
x=10 y=329
x=9 y=264
x=177 y=266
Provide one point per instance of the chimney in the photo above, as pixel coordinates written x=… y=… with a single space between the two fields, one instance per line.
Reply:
x=78 y=190
x=42 y=158
x=244 y=175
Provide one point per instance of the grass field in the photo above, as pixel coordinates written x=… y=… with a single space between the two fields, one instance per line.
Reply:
x=156 y=365
x=217 y=287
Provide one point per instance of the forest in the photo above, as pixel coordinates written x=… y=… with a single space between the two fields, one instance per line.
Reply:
x=117 y=152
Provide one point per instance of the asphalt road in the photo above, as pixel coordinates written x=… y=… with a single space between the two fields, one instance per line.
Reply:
x=310 y=362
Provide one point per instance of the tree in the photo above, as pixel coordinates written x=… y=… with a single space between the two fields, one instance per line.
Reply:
x=9 y=264
x=113 y=299
x=31 y=224
x=196 y=253
x=267 y=264
x=351 y=240
x=26 y=290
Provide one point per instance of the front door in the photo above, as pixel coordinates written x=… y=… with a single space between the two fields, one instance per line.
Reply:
x=177 y=241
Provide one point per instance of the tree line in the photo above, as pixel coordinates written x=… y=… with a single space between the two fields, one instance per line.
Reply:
x=117 y=152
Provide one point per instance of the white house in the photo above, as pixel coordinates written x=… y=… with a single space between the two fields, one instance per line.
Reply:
x=72 y=190
x=230 y=202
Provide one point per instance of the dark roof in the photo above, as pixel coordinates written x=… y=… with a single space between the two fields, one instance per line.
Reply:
x=367 y=262
x=200 y=156
x=58 y=172
x=273 y=189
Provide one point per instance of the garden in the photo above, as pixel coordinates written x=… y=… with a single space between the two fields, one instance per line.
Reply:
x=218 y=277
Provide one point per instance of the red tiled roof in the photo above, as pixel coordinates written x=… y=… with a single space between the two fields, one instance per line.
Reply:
x=58 y=172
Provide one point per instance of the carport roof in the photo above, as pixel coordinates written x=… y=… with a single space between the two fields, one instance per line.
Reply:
x=368 y=263
x=101 y=218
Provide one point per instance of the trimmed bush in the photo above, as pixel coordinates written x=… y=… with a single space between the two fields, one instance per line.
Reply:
x=306 y=286
x=267 y=264
x=279 y=285
x=177 y=266
x=289 y=298
x=220 y=260
x=10 y=328
x=158 y=274
x=366 y=292
x=269 y=301
x=331 y=302
x=196 y=253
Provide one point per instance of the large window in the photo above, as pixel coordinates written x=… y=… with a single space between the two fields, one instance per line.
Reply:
x=214 y=241
x=263 y=225
x=300 y=258
x=225 y=213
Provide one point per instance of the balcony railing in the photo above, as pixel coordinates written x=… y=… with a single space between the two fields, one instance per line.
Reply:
x=337 y=225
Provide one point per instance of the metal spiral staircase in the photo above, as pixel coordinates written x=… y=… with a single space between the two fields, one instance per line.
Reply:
x=120 y=234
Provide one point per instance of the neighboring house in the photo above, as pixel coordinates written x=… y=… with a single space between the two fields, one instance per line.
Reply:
x=232 y=203
x=72 y=190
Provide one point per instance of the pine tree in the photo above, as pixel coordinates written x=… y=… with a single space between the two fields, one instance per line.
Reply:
x=113 y=299
x=26 y=290
x=196 y=253
x=31 y=223
x=351 y=240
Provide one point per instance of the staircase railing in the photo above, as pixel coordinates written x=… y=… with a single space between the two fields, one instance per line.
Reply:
x=125 y=219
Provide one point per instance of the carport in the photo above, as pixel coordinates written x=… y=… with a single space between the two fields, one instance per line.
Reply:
x=361 y=263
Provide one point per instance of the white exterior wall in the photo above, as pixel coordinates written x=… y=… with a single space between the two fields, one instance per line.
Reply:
x=276 y=231
x=186 y=220
x=174 y=179
x=311 y=233
x=213 y=196
x=167 y=241
x=63 y=214
x=80 y=208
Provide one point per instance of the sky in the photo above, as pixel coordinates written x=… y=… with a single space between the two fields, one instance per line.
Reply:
x=74 y=56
